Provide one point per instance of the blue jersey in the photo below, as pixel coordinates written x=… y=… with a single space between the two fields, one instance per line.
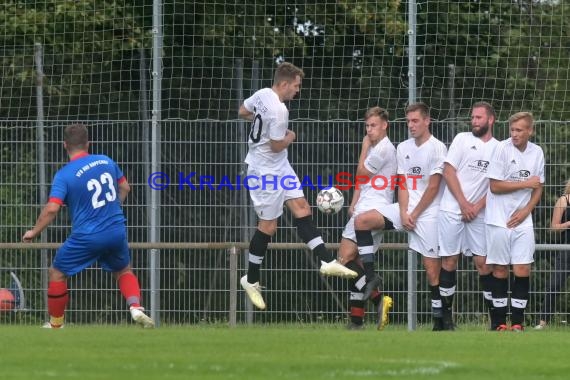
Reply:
x=89 y=186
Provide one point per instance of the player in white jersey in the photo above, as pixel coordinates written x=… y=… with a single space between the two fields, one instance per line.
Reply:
x=420 y=164
x=418 y=203
x=461 y=223
x=267 y=167
x=377 y=165
x=516 y=178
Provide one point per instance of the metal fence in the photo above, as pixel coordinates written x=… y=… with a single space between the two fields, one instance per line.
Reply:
x=185 y=283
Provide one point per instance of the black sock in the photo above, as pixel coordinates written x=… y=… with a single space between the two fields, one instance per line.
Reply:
x=500 y=287
x=519 y=299
x=356 y=304
x=360 y=280
x=447 y=283
x=485 y=281
x=436 y=304
x=312 y=237
x=369 y=269
x=257 y=250
x=365 y=245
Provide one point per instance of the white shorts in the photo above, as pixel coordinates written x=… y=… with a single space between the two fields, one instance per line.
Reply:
x=457 y=236
x=270 y=191
x=348 y=233
x=392 y=212
x=509 y=246
x=423 y=239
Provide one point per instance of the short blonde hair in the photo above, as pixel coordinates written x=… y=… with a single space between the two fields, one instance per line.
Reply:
x=376 y=111
x=526 y=116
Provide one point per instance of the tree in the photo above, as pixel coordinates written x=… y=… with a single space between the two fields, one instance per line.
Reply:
x=351 y=52
x=517 y=57
x=90 y=58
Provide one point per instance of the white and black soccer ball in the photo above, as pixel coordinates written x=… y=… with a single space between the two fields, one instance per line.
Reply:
x=330 y=200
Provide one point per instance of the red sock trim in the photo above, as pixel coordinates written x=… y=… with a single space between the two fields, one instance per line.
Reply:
x=375 y=294
x=357 y=311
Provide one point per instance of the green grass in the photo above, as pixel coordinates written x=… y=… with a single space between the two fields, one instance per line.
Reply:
x=282 y=352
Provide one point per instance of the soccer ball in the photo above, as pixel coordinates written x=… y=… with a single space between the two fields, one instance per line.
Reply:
x=330 y=200
x=7 y=301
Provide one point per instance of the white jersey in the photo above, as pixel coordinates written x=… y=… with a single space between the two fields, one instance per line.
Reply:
x=270 y=121
x=510 y=164
x=418 y=163
x=381 y=162
x=470 y=157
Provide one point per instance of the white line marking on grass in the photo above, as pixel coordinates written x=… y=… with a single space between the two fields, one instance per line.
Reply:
x=409 y=368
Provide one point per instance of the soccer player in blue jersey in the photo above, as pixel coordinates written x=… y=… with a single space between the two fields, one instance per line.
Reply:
x=93 y=189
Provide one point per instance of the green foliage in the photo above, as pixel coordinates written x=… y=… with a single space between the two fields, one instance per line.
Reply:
x=16 y=169
x=353 y=51
x=511 y=55
x=88 y=46
x=313 y=36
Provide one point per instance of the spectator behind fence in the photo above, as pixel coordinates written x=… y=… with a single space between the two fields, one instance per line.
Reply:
x=560 y=223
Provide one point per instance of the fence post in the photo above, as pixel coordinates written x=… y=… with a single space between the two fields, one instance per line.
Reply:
x=154 y=205
x=234 y=253
x=41 y=153
x=412 y=291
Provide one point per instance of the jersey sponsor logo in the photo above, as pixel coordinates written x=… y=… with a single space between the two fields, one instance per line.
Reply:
x=519 y=175
x=524 y=173
x=415 y=170
x=479 y=166
x=259 y=107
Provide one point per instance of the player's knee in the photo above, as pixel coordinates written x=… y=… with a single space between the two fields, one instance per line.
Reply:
x=449 y=263
x=482 y=268
x=299 y=207
x=267 y=227
x=359 y=223
x=123 y=271
x=521 y=270
x=501 y=271
x=56 y=275
x=368 y=222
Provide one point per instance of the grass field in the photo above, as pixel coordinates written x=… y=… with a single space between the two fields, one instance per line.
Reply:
x=282 y=352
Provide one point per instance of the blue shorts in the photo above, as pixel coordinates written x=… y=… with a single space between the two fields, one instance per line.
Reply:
x=109 y=248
